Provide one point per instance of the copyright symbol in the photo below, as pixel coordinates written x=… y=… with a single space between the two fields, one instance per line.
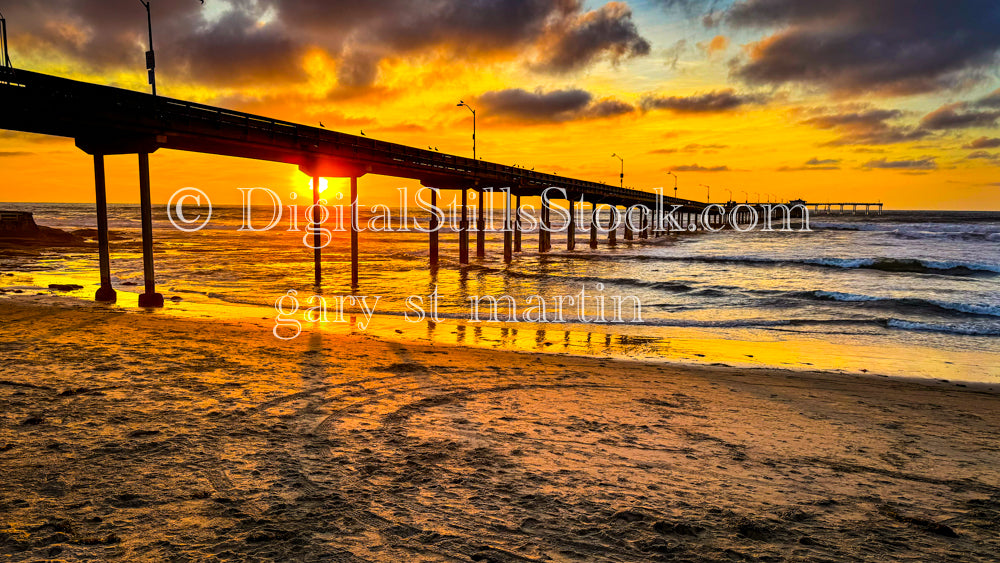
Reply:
x=175 y=209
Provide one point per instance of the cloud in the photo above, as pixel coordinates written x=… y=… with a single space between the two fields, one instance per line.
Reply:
x=959 y=116
x=983 y=155
x=552 y=106
x=608 y=107
x=992 y=100
x=865 y=126
x=710 y=102
x=717 y=44
x=607 y=32
x=814 y=164
x=691 y=147
x=253 y=42
x=673 y=53
x=984 y=143
x=694 y=147
x=926 y=163
x=691 y=8
x=699 y=168
x=4 y=154
x=886 y=47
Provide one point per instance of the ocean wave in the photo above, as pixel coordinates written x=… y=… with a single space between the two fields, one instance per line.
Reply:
x=909 y=303
x=908 y=265
x=901 y=265
x=671 y=286
x=849 y=297
x=964 y=330
x=970 y=232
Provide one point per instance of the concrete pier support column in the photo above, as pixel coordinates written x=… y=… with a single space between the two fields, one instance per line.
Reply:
x=317 y=238
x=593 y=225
x=612 y=233
x=517 y=224
x=629 y=232
x=481 y=228
x=106 y=294
x=643 y=226
x=150 y=298
x=434 y=226
x=544 y=229
x=508 y=227
x=571 y=228
x=354 y=232
x=463 y=230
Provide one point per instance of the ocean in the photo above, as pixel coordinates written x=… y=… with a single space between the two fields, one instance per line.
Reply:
x=907 y=293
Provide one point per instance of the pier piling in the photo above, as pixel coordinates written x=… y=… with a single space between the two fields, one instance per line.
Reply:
x=317 y=251
x=150 y=298
x=106 y=294
x=354 y=233
x=434 y=232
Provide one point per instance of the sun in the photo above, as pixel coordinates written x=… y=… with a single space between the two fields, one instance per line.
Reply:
x=323 y=185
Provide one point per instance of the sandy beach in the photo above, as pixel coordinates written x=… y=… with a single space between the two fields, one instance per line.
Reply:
x=140 y=436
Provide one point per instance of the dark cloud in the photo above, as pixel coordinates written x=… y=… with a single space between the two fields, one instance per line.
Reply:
x=15 y=153
x=553 y=106
x=607 y=32
x=814 y=164
x=870 y=46
x=959 y=116
x=990 y=101
x=608 y=107
x=263 y=41
x=984 y=143
x=236 y=50
x=921 y=164
x=866 y=127
x=710 y=102
x=983 y=155
x=699 y=168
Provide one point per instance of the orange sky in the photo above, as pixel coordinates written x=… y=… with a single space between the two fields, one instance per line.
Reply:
x=663 y=90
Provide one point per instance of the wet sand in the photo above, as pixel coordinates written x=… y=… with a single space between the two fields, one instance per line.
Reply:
x=133 y=436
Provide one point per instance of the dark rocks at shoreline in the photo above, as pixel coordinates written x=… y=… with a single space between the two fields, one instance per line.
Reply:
x=18 y=228
x=65 y=286
x=92 y=234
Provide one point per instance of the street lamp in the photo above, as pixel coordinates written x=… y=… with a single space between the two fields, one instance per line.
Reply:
x=730 y=193
x=708 y=192
x=3 y=42
x=463 y=104
x=621 y=177
x=675 y=183
x=150 y=57
x=758 y=197
x=746 y=196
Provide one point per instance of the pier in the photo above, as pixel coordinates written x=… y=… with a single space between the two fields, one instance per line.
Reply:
x=841 y=208
x=104 y=120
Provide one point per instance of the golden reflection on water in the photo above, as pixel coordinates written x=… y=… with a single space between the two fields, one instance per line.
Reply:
x=753 y=348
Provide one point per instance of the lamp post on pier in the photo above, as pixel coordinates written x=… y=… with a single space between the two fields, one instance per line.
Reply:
x=150 y=57
x=465 y=105
x=621 y=176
